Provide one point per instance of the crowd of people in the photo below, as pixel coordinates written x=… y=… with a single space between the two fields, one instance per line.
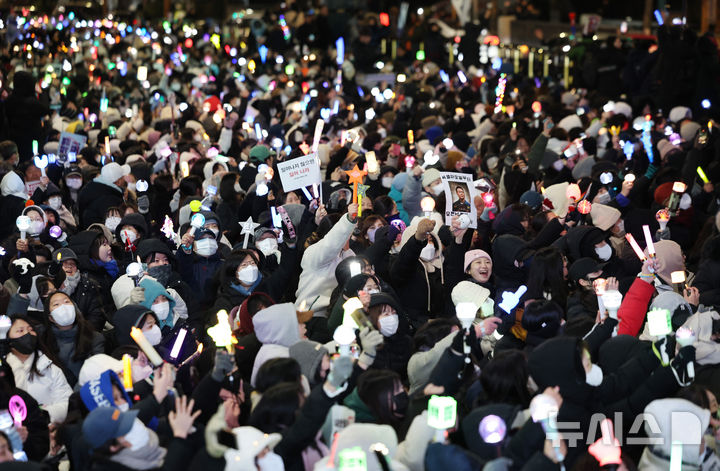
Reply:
x=147 y=213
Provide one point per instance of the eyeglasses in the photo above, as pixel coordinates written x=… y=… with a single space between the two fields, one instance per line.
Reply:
x=251 y=263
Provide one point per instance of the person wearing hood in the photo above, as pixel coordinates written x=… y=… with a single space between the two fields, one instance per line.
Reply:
x=253 y=451
x=420 y=183
x=14 y=195
x=277 y=328
x=383 y=311
x=136 y=315
x=353 y=287
x=198 y=260
x=417 y=273
x=25 y=112
x=129 y=232
x=103 y=192
x=84 y=292
x=69 y=336
x=36 y=370
x=16 y=245
x=587 y=390
x=321 y=257
x=95 y=258
x=52 y=197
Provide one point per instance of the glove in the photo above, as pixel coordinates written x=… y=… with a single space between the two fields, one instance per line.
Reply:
x=224 y=364
x=143 y=204
x=425 y=227
x=137 y=295
x=370 y=339
x=684 y=356
x=23 y=273
x=340 y=371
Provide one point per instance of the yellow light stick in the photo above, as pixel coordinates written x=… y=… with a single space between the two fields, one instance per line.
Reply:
x=703 y=177
x=127 y=373
x=222 y=333
x=150 y=352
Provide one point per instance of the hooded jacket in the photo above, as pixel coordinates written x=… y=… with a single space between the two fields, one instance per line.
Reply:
x=276 y=328
x=80 y=243
x=12 y=202
x=94 y=199
x=127 y=317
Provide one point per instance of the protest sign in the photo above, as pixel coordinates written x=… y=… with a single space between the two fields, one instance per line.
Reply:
x=459 y=196
x=300 y=172
x=70 y=143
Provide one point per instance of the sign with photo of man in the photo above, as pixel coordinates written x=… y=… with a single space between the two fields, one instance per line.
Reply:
x=459 y=197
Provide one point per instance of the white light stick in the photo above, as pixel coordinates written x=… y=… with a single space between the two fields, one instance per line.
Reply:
x=465 y=313
x=5 y=324
x=142 y=73
x=649 y=241
x=428 y=205
x=612 y=299
x=307 y=194
x=684 y=337
x=350 y=306
x=23 y=225
x=544 y=409
x=142 y=342
x=319 y=125
x=636 y=248
x=344 y=336
x=372 y=163
x=178 y=343
x=248 y=229
x=41 y=161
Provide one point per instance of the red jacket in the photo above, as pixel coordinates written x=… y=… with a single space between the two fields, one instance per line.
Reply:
x=634 y=307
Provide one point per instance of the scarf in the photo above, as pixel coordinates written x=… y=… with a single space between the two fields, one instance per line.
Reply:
x=150 y=456
x=110 y=267
x=246 y=291
x=70 y=283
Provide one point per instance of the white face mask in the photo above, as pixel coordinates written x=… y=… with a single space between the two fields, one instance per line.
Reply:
x=427 y=253
x=389 y=325
x=154 y=335
x=206 y=247
x=437 y=189
x=267 y=246
x=237 y=187
x=63 y=315
x=161 y=310
x=128 y=236
x=595 y=376
x=112 y=223
x=138 y=436
x=604 y=253
x=74 y=183
x=387 y=182
x=271 y=462
x=685 y=201
x=621 y=227
x=131 y=186
x=603 y=198
x=36 y=227
x=371 y=234
x=124 y=407
x=55 y=202
x=248 y=275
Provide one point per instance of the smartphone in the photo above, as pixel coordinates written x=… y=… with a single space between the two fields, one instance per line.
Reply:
x=703 y=137
x=212 y=190
x=362 y=320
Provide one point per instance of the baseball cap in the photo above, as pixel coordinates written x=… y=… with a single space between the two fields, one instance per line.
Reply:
x=105 y=423
x=260 y=152
x=60 y=255
x=113 y=172
x=582 y=266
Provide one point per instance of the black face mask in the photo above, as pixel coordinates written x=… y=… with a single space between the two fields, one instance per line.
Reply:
x=25 y=344
x=401 y=402
x=161 y=273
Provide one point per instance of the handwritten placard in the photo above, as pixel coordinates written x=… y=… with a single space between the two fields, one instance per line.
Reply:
x=300 y=172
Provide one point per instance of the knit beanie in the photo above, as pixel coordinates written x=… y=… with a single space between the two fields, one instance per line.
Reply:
x=430 y=176
x=99 y=393
x=604 y=217
x=472 y=255
x=469 y=292
x=309 y=355
x=669 y=259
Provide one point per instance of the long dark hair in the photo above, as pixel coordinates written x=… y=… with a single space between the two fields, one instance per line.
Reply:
x=375 y=389
x=83 y=338
x=276 y=410
x=40 y=346
x=546 y=276
x=504 y=378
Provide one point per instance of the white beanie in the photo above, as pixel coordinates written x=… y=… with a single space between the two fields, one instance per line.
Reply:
x=604 y=217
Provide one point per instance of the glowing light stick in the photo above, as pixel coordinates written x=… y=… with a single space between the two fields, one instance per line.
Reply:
x=702 y=175
x=599 y=287
x=611 y=300
x=662 y=217
x=23 y=224
x=428 y=205
x=409 y=162
x=142 y=342
x=629 y=178
x=362 y=189
x=17 y=409
x=636 y=248
x=659 y=322
x=127 y=372
x=372 y=163
x=35 y=147
x=430 y=158
x=584 y=207
x=352 y=459
x=500 y=93
x=258 y=132
x=685 y=336
x=221 y=333
x=263 y=50
x=142 y=73
x=510 y=299
x=177 y=345
x=193 y=356
x=492 y=429
x=350 y=306
x=646 y=139
x=628 y=149
x=410 y=137
x=55 y=232
x=319 y=124
x=184 y=169
x=248 y=229
x=355 y=176
x=41 y=161
x=340 y=47
x=355 y=269
x=544 y=409
x=442 y=415
x=344 y=335
x=649 y=241
x=678 y=189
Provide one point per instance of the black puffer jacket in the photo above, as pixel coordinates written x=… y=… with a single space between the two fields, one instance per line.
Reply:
x=94 y=200
x=80 y=243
